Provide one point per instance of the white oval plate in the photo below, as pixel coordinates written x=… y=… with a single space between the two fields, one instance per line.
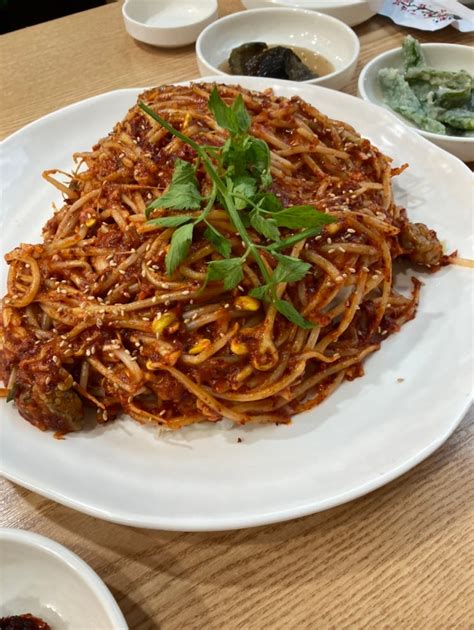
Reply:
x=43 y=578
x=369 y=432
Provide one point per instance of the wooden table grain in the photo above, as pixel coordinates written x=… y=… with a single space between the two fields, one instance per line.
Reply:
x=400 y=558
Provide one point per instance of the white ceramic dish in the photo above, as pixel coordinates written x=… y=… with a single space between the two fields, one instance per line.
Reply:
x=351 y=12
x=319 y=33
x=167 y=23
x=442 y=56
x=41 y=577
x=369 y=432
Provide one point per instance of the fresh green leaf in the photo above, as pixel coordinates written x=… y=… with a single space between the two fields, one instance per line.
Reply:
x=264 y=226
x=261 y=292
x=268 y=202
x=257 y=156
x=302 y=217
x=243 y=186
x=229 y=270
x=174 y=221
x=289 y=269
x=289 y=311
x=179 y=248
x=183 y=191
x=241 y=114
x=225 y=116
x=220 y=243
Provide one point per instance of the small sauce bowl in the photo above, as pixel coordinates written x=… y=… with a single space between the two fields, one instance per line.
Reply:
x=168 y=23
x=318 y=33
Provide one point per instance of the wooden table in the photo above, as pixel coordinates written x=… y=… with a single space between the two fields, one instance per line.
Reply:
x=397 y=559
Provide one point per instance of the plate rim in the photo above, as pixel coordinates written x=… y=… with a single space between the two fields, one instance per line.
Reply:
x=229 y=522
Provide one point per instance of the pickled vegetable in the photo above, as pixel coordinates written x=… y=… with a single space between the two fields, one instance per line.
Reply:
x=439 y=101
x=279 y=62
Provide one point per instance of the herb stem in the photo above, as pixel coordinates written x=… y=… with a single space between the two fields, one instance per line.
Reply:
x=292 y=240
x=209 y=205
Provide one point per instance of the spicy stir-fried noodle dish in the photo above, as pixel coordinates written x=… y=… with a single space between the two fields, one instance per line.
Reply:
x=222 y=253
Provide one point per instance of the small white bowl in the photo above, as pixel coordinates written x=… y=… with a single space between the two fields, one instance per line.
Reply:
x=442 y=56
x=351 y=12
x=319 y=33
x=168 y=23
x=41 y=577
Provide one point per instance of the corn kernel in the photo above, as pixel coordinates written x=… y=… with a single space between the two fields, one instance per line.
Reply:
x=247 y=303
x=239 y=348
x=333 y=228
x=150 y=365
x=160 y=323
x=201 y=345
x=90 y=222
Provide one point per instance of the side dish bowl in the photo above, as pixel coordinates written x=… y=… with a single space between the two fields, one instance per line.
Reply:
x=167 y=23
x=441 y=56
x=351 y=12
x=314 y=31
x=52 y=583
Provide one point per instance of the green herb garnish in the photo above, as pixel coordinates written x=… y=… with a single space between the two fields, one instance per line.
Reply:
x=240 y=175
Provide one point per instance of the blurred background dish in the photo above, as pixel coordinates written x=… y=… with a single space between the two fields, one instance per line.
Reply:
x=451 y=57
x=294 y=28
x=41 y=577
x=168 y=23
x=351 y=12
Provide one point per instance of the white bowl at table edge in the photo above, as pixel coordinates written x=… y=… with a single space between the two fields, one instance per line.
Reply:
x=274 y=26
x=74 y=564
x=438 y=56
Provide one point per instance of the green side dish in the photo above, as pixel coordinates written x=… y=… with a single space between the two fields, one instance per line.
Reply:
x=435 y=100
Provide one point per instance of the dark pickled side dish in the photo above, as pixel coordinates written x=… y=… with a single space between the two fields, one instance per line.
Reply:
x=257 y=59
x=23 y=622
